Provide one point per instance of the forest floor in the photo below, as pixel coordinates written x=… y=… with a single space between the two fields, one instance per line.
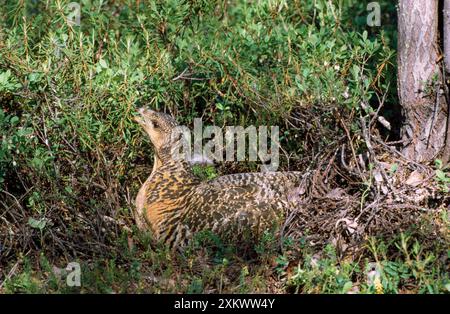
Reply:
x=402 y=265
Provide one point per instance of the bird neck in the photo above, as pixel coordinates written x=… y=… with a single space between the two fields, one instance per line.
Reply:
x=156 y=163
x=168 y=160
x=164 y=164
x=165 y=191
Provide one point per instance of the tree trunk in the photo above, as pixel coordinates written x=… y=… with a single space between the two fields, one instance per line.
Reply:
x=425 y=114
x=446 y=35
x=446 y=39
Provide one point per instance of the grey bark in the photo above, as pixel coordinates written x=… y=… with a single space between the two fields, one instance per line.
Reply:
x=446 y=35
x=424 y=127
x=446 y=39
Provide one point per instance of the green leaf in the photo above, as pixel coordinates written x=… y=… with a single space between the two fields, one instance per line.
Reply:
x=34 y=77
x=447 y=286
x=4 y=77
x=441 y=175
x=103 y=64
x=347 y=286
x=37 y=224
x=14 y=120
x=364 y=36
x=394 y=168
x=355 y=71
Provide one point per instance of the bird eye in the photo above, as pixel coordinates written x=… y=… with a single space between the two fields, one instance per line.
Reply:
x=155 y=125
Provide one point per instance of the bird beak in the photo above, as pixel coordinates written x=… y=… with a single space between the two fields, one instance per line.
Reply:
x=144 y=110
x=143 y=113
x=137 y=119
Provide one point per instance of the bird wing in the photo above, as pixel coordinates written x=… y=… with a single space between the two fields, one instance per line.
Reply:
x=268 y=184
x=255 y=200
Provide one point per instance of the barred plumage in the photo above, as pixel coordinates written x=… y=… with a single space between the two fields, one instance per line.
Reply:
x=175 y=204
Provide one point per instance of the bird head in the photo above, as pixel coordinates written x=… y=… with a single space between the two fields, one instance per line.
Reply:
x=159 y=127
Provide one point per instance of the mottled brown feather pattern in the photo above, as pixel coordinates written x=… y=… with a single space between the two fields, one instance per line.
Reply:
x=175 y=204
